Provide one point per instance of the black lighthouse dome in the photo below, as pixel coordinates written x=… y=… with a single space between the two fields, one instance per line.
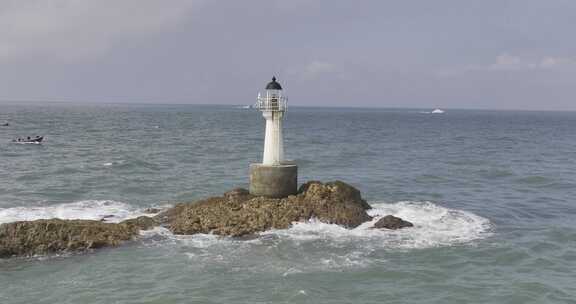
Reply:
x=273 y=85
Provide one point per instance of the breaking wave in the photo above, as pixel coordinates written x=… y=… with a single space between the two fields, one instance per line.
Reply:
x=433 y=226
x=306 y=246
x=110 y=211
x=316 y=246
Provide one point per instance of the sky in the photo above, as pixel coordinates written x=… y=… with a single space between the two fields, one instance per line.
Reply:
x=489 y=54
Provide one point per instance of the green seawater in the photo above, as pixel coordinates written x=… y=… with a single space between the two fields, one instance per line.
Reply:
x=492 y=195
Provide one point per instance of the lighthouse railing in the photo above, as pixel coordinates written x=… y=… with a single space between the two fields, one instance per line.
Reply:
x=272 y=103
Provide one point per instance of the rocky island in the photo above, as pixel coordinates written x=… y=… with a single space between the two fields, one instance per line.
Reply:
x=236 y=213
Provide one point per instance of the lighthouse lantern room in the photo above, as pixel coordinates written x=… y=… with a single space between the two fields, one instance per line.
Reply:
x=274 y=177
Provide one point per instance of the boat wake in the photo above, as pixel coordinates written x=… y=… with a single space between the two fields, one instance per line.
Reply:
x=435 y=111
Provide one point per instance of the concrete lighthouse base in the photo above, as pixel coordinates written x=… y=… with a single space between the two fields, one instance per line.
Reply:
x=273 y=181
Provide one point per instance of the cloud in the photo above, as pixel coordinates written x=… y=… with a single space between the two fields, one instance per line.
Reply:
x=74 y=29
x=508 y=62
x=315 y=69
x=505 y=62
x=556 y=62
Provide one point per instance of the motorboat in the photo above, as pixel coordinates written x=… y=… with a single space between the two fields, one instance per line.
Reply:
x=35 y=141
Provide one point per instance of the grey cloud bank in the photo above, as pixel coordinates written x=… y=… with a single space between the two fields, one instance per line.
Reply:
x=447 y=53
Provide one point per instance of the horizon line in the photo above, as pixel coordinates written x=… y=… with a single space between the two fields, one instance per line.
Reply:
x=5 y=101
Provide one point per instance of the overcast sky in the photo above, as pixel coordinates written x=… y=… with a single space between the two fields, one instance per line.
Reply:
x=515 y=54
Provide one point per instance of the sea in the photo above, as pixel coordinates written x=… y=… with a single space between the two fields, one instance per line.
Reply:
x=492 y=195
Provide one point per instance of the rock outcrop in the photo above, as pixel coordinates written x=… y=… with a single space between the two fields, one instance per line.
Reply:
x=238 y=213
x=140 y=223
x=392 y=222
x=29 y=238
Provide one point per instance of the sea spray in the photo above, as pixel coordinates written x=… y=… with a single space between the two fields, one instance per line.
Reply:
x=107 y=210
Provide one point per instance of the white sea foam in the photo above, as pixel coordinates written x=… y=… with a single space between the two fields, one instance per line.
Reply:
x=317 y=246
x=203 y=240
x=310 y=245
x=156 y=231
x=433 y=226
x=113 y=163
x=306 y=246
x=110 y=211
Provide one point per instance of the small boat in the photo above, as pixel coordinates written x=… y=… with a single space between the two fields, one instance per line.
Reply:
x=6 y=124
x=437 y=111
x=34 y=141
x=27 y=142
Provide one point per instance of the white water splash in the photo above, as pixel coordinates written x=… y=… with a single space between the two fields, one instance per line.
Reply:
x=110 y=211
x=317 y=246
x=433 y=226
x=306 y=246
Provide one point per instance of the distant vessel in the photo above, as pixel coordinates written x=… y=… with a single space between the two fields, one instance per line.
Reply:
x=245 y=107
x=437 y=111
x=36 y=141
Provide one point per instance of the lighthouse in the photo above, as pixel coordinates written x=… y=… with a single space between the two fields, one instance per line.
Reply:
x=274 y=177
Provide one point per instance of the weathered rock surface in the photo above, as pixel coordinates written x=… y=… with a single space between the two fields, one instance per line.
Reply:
x=238 y=213
x=28 y=238
x=141 y=223
x=152 y=210
x=392 y=222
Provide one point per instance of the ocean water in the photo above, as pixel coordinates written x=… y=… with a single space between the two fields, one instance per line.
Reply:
x=492 y=195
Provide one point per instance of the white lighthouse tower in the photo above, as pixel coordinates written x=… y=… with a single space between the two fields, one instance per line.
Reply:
x=273 y=107
x=274 y=177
